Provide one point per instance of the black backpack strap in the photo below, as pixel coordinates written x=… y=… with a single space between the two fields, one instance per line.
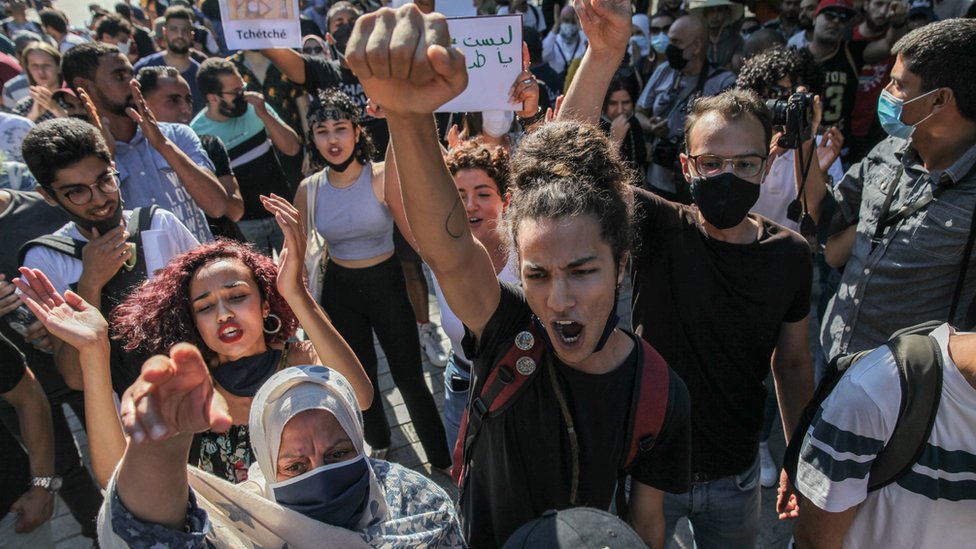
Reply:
x=834 y=371
x=919 y=361
x=504 y=381
x=59 y=243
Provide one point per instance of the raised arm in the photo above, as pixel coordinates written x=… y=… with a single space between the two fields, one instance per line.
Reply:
x=283 y=137
x=200 y=183
x=79 y=326
x=288 y=62
x=331 y=348
x=173 y=398
x=404 y=63
x=607 y=27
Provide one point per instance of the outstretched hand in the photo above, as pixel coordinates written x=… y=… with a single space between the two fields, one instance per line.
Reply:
x=525 y=90
x=606 y=24
x=173 y=396
x=404 y=60
x=69 y=318
x=291 y=260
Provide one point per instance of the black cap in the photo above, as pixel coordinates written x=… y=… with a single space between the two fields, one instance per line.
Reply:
x=577 y=528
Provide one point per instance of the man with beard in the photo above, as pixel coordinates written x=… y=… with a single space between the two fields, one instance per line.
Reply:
x=804 y=22
x=866 y=131
x=723 y=18
x=842 y=60
x=673 y=85
x=178 y=34
x=248 y=127
x=316 y=73
x=168 y=97
x=787 y=24
x=158 y=163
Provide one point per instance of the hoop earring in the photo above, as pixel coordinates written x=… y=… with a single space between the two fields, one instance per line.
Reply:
x=277 y=327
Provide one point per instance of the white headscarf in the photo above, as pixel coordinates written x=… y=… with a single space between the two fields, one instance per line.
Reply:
x=291 y=392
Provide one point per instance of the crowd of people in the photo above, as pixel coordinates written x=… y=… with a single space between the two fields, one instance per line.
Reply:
x=694 y=214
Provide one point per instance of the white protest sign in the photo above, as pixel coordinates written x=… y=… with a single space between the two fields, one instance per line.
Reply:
x=256 y=24
x=492 y=48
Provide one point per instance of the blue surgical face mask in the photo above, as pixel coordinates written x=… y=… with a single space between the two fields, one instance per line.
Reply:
x=335 y=494
x=659 y=42
x=889 y=113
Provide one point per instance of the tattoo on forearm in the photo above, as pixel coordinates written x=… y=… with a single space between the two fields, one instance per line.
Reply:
x=451 y=217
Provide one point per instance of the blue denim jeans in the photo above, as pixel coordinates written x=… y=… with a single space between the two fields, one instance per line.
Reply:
x=455 y=400
x=724 y=513
x=264 y=234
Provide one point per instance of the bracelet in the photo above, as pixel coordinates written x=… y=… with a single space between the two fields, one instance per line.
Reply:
x=530 y=120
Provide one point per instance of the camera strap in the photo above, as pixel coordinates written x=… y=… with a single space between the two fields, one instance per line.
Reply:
x=887 y=219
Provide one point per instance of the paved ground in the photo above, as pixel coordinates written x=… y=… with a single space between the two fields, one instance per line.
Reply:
x=406 y=450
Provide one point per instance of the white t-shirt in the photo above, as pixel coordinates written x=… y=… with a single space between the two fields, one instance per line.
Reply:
x=166 y=238
x=934 y=504
x=451 y=323
x=779 y=188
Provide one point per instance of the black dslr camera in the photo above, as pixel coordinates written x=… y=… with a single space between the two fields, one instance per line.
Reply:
x=795 y=115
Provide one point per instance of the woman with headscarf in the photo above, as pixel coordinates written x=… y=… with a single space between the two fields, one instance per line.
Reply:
x=312 y=484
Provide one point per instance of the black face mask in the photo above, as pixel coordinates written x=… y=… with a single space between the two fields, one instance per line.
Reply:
x=675 y=56
x=234 y=109
x=244 y=376
x=725 y=199
x=341 y=37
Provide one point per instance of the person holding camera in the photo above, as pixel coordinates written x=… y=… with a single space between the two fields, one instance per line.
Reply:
x=686 y=75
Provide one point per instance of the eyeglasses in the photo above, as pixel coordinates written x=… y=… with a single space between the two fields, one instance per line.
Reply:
x=81 y=194
x=316 y=50
x=743 y=166
x=237 y=93
x=836 y=16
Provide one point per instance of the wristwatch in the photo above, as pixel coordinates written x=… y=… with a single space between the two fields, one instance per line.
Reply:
x=51 y=484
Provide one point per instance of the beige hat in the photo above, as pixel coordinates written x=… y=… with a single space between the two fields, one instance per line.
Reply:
x=697 y=7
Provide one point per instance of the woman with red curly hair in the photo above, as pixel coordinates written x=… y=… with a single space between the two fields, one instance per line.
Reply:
x=239 y=309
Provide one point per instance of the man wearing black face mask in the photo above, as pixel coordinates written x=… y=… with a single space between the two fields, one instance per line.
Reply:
x=725 y=296
x=316 y=73
x=686 y=75
x=248 y=127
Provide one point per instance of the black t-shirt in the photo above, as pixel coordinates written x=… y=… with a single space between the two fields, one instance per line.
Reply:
x=15 y=473
x=714 y=311
x=322 y=73
x=520 y=465
x=840 y=84
x=26 y=218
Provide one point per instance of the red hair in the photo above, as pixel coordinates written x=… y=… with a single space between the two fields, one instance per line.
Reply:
x=157 y=314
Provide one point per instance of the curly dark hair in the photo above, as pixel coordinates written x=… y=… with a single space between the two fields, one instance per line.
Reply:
x=567 y=169
x=471 y=155
x=158 y=314
x=60 y=143
x=334 y=99
x=762 y=72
